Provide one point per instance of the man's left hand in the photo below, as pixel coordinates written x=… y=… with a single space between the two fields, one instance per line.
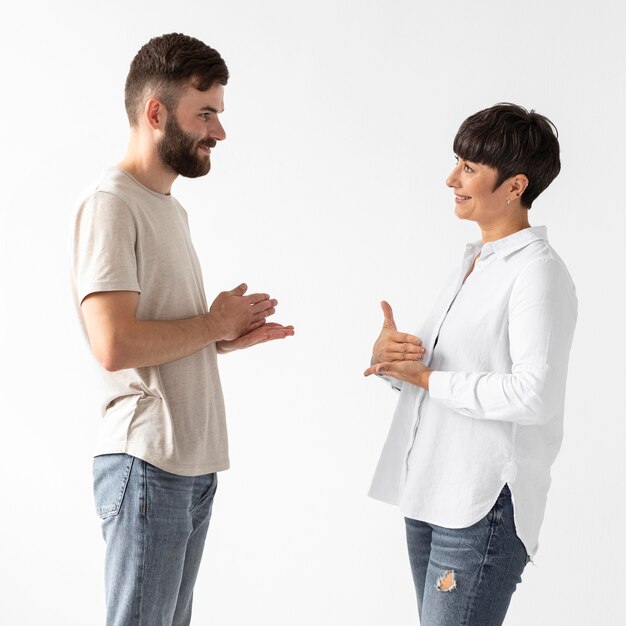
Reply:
x=267 y=332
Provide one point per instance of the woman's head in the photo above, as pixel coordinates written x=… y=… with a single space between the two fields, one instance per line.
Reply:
x=515 y=143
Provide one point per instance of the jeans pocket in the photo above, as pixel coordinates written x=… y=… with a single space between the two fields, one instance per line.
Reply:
x=493 y=517
x=110 y=478
x=495 y=514
x=208 y=493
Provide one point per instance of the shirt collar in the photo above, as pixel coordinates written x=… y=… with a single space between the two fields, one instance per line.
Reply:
x=507 y=245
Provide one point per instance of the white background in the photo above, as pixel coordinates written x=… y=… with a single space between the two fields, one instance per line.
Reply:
x=329 y=194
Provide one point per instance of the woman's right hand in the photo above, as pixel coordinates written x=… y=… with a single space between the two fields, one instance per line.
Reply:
x=392 y=345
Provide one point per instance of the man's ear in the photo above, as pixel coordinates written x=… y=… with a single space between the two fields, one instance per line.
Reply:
x=154 y=113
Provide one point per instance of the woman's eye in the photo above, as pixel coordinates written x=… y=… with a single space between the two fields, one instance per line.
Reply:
x=467 y=168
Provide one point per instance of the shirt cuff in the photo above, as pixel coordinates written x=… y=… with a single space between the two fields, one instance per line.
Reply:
x=440 y=386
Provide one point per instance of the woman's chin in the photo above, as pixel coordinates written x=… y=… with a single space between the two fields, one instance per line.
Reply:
x=463 y=213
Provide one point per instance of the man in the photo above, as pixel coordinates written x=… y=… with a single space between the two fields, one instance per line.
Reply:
x=138 y=288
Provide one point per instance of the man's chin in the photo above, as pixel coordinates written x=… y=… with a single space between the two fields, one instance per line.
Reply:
x=201 y=169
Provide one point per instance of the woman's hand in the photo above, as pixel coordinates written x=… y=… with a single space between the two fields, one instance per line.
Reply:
x=412 y=372
x=398 y=354
x=394 y=346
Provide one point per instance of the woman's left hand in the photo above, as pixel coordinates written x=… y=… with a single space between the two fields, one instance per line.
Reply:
x=412 y=372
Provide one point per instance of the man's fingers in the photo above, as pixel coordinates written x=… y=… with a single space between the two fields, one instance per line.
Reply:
x=388 y=313
x=239 y=290
x=266 y=333
x=268 y=326
x=264 y=314
x=263 y=305
x=254 y=298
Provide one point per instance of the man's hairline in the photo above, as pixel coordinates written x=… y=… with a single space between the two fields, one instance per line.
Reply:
x=150 y=90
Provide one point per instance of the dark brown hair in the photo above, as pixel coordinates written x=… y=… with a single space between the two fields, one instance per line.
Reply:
x=165 y=65
x=514 y=141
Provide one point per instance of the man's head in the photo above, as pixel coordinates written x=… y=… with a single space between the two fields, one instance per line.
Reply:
x=175 y=86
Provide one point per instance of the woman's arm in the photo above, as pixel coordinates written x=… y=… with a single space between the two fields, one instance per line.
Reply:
x=542 y=318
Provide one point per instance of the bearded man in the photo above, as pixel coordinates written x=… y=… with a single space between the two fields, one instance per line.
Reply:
x=138 y=289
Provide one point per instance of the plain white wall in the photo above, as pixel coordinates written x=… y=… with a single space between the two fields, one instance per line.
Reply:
x=328 y=193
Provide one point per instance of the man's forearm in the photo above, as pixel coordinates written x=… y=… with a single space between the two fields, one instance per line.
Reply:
x=152 y=342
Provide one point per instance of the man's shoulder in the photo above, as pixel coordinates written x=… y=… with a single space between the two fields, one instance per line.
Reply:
x=116 y=191
x=116 y=183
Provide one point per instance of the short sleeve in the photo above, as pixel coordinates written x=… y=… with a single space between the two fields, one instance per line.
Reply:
x=103 y=246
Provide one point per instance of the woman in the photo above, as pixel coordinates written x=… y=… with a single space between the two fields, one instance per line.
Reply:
x=480 y=413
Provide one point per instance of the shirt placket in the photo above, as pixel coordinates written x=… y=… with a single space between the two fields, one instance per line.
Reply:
x=469 y=257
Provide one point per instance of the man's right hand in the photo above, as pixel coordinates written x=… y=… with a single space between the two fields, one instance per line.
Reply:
x=235 y=314
x=392 y=345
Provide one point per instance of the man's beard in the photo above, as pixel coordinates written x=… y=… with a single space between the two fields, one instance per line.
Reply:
x=179 y=151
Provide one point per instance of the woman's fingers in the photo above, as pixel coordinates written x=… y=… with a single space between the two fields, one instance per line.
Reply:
x=401 y=351
x=402 y=356
x=404 y=338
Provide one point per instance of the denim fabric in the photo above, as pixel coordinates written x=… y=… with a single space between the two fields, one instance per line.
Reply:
x=154 y=524
x=480 y=566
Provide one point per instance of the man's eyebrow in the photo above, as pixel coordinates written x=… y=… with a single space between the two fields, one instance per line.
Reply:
x=208 y=108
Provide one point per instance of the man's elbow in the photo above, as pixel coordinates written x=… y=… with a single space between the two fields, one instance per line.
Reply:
x=111 y=354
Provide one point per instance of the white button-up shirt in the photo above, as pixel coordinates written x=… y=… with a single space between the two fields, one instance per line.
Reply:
x=498 y=345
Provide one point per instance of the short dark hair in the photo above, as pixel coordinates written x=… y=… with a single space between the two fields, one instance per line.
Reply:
x=166 y=64
x=514 y=141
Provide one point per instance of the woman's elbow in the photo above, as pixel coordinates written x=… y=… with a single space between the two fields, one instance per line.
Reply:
x=539 y=408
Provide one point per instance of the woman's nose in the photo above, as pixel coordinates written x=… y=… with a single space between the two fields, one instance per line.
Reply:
x=453 y=177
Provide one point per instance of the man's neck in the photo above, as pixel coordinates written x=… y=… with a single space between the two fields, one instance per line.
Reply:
x=143 y=163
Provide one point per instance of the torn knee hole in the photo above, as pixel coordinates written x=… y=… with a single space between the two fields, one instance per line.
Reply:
x=447 y=582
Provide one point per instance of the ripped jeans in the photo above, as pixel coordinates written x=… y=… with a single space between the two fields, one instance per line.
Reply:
x=466 y=576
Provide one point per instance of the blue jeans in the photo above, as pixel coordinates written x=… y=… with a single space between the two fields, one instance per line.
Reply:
x=466 y=576
x=154 y=524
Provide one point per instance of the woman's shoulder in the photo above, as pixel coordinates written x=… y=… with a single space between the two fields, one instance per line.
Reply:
x=542 y=269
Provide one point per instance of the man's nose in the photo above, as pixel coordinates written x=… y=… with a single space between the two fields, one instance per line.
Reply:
x=217 y=132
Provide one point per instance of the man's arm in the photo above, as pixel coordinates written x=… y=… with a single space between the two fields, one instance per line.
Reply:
x=119 y=340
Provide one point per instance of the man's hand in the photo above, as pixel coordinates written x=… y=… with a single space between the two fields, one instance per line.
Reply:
x=120 y=341
x=412 y=372
x=234 y=314
x=266 y=332
x=394 y=346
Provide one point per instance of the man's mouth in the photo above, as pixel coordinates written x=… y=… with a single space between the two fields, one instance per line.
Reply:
x=459 y=198
x=206 y=146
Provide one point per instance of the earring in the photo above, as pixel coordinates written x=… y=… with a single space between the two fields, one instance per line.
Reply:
x=508 y=202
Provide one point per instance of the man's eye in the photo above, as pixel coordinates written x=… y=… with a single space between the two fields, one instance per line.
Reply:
x=467 y=168
x=205 y=116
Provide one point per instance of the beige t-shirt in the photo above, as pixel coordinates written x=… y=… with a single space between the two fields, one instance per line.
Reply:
x=127 y=237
